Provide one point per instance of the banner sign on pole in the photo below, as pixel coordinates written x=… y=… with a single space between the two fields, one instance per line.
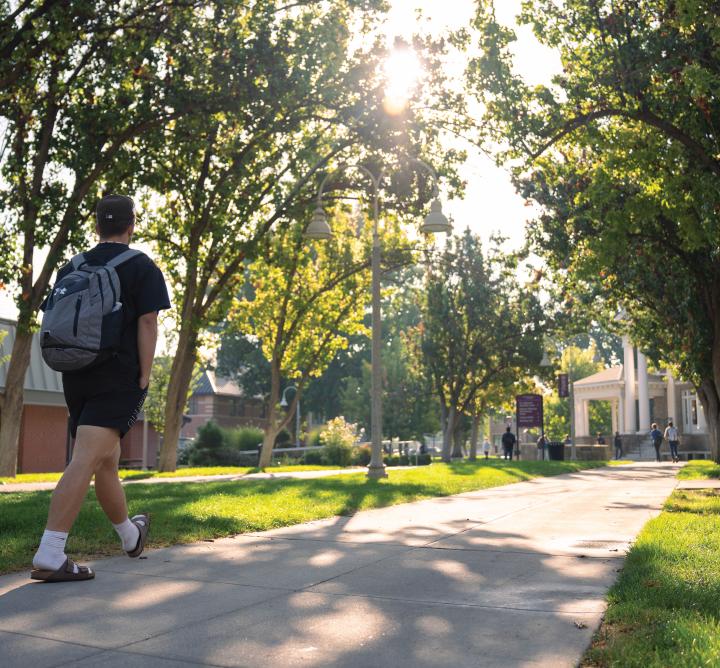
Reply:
x=529 y=410
x=563 y=385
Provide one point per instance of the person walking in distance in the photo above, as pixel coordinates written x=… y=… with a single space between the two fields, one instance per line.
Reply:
x=508 y=443
x=657 y=439
x=618 y=445
x=486 y=447
x=671 y=436
x=541 y=444
x=106 y=361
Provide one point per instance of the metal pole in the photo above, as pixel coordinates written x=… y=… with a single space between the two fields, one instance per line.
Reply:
x=297 y=424
x=573 y=451
x=376 y=468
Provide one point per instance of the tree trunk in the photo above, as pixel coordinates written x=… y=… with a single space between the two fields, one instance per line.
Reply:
x=11 y=403
x=273 y=428
x=457 y=452
x=474 y=437
x=710 y=399
x=448 y=431
x=177 y=396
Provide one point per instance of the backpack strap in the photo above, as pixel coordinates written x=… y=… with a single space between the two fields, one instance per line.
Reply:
x=129 y=254
x=78 y=261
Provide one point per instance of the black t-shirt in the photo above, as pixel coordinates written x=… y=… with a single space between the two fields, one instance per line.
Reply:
x=143 y=290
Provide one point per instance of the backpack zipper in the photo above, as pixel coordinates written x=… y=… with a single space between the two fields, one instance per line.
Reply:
x=78 y=304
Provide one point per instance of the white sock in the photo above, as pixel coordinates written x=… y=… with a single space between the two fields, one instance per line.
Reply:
x=51 y=553
x=128 y=533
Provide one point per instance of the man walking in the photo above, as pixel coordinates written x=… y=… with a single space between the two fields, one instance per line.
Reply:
x=671 y=436
x=657 y=437
x=618 y=445
x=104 y=398
x=508 y=443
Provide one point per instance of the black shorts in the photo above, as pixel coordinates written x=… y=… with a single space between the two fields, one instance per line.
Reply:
x=89 y=405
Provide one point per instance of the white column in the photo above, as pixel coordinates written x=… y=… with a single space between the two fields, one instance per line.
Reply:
x=701 y=422
x=614 y=414
x=643 y=396
x=671 y=401
x=629 y=374
x=586 y=417
x=581 y=426
x=621 y=415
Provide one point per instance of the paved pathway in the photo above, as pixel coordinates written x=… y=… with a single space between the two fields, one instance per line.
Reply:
x=512 y=576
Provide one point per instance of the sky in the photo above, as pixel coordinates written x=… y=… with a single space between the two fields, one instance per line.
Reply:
x=490 y=204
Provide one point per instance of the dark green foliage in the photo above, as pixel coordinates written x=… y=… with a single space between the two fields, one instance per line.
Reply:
x=215 y=446
x=313 y=457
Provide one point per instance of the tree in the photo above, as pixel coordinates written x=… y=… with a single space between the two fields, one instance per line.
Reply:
x=308 y=300
x=578 y=363
x=621 y=155
x=302 y=102
x=480 y=329
x=79 y=83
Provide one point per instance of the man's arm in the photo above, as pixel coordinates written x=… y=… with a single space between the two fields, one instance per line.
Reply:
x=147 y=338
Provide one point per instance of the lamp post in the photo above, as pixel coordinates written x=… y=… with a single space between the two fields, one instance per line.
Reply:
x=544 y=362
x=284 y=404
x=318 y=228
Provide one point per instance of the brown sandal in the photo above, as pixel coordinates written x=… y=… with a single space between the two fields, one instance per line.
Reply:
x=142 y=522
x=66 y=573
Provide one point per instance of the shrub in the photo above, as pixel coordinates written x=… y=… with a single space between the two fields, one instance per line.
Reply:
x=338 y=439
x=313 y=457
x=209 y=437
x=283 y=439
x=313 y=437
x=244 y=438
x=362 y=455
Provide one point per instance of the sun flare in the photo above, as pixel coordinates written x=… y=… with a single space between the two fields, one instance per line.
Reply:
x=402 y=71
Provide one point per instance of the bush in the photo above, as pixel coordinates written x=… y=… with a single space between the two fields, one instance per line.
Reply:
x=313 y=457
x=362 y=455
x=244 y=438
x=338 y=439
x=209 y=437
x=283 y=439
x=313 y=437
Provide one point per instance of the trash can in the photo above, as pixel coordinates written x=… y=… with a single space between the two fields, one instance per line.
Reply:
x=556 y=451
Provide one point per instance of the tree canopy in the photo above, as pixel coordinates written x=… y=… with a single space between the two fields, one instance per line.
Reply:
x=620 y=151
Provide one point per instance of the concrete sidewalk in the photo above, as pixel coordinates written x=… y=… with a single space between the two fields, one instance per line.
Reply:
x=511 y=576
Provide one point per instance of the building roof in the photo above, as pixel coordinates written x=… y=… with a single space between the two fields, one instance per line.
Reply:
x=43 y=386
x=613 y=374
x=610 y=375
x=210 y=383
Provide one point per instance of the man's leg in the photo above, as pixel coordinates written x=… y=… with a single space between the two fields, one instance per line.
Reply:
x=92 y=446
x=111 y=496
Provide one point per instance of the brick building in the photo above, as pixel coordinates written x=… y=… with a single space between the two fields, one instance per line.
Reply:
x=222 y=401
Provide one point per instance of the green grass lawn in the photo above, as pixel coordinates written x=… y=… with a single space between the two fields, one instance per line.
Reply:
x=665 y=608
x=188 y=512
x=699 y=469
x=135 y=474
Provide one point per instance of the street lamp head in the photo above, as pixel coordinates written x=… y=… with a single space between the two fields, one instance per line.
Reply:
x=435 y=221
x=545 y=361
x=283 y=401
x=318 y=227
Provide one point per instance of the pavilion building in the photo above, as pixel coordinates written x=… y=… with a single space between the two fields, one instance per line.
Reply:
x=638 y=398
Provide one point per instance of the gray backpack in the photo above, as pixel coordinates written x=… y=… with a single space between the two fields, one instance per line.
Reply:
x=83 y=318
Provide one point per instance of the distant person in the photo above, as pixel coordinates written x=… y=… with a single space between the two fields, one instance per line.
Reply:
x=486 y=448
x=657 y=438
x=671 y=436
x=105 y=395
x=541 y=444
x=618 y=445
x=508 y=443
x=600 y=439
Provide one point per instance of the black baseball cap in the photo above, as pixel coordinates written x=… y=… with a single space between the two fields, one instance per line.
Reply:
x=115 y=209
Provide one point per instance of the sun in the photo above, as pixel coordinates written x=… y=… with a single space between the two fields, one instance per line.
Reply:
x=402 y=72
